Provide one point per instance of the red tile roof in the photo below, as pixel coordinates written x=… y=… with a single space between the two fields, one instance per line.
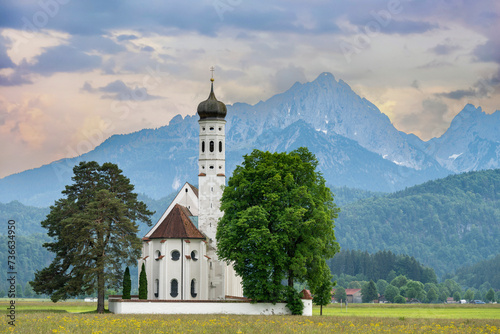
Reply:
x=177 y=225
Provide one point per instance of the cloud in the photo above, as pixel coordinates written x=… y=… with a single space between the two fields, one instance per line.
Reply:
x=483 y=87
x=65 y=58
x=118 y=90
x=286 y=77
x=490 y=51
x=147 y=49
x=458 y=94
x=429 y=121
x=444 y=49
x=435 y=64
x=121 y=38
x=5 y=61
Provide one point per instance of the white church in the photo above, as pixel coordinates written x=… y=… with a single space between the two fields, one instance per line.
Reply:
x=179 y=252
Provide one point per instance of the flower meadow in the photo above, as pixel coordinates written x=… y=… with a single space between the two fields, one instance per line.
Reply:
x=45 y=319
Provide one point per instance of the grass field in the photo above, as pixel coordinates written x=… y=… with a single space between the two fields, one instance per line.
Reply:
x=80 y=317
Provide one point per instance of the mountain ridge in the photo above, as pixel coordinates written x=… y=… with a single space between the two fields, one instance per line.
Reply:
x=380 y=157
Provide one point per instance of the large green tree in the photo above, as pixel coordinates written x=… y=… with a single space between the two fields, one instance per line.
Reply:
x=278 y=223
x=94 y=233
x=369 y=292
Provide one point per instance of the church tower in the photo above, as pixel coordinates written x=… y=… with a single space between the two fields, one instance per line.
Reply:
x=211 y=180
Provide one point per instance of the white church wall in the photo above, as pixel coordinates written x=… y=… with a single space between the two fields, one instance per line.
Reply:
x=203 y=307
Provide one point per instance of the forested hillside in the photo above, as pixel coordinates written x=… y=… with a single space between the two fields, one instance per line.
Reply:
x=445 y=224
x=381 y=265
x=487 y=271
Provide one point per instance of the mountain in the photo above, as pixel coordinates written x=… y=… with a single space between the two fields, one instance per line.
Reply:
x=356 y=145
x=472 y=141
x=445 y=224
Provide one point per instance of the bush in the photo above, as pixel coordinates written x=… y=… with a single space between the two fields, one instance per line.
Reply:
x=400 y=299
x=294 y=303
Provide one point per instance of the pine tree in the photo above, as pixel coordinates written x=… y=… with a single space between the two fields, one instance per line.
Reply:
x=127 y=284
x=94 y=234
x=143 y=283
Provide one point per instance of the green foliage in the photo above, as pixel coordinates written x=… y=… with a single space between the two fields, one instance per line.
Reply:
x=379 y=265
x=432 y=295
x=369 y=292
x=127 y=284
x=340 y=294
x=399 y=281
x=143 y=283
x=469 y=295
x=391 y=292
x=444 y=223
x=415 y=290
x=294 y=303
x=479 y=273
x=277 y=224
x=322 y=294
x=490 y=295
x=94 y=233
x=400 y=299
x=381 y=286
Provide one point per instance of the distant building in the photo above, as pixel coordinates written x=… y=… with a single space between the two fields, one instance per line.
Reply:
x=179 y=252
x=353 y=295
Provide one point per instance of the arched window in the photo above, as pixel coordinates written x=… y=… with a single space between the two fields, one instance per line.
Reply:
x=212 y=148
x=175 y=255
x=174 y=288
x=203 y=146
x=193 y=288
x=220 y=146
x=157 y=287
x=194 y=256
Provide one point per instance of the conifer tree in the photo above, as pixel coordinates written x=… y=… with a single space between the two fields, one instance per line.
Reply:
x=143 y=283
x=94 y=233
x=127 y=284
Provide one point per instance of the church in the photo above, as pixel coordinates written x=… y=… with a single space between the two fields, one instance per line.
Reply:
x=179 y=252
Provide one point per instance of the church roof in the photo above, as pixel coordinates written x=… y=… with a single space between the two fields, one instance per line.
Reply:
x=177 y=225
x=211 y=108
x=193 y=188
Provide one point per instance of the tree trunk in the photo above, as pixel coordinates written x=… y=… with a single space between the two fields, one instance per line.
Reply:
x=100 y=292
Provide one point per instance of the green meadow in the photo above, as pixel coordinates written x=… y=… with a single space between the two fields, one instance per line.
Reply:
x=35 y=316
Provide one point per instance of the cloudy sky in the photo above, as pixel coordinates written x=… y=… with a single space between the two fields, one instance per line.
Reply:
x=74 y=72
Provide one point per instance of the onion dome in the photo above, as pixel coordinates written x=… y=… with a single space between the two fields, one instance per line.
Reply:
x=211 y=108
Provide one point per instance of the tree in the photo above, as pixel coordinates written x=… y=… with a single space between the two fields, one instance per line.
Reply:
x=381 y=286
x=432 y=295
x=28 y=290
x=415 y=290
x=340 y=294
x=490 y=295
x=143 y=283
x=399 y=281
x=469 y=295
x=391 y=292
x=322 y=294
x=278 y=223
x=369 y=292
x=127 y=284
x=94 y=233
x=399 y=299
